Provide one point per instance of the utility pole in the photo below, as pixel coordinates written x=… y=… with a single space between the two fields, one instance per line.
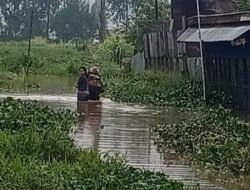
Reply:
x=156 y=10
x=30 y=33
x=201 y=50
x=48 y=19
x=64 y=4
x=127 y=15
x=103 y=20
x=26 y=77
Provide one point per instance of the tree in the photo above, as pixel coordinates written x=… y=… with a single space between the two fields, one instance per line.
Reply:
x=17 y=13
x=137 y=15
x=129 y=12
x=74 y=21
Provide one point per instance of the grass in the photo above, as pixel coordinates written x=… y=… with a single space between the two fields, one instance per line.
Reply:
x=155 y=88
x=213 y=138
x=36 y=152
x=46 y=59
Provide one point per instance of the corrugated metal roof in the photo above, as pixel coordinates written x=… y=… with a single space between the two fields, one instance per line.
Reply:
x=215 y=34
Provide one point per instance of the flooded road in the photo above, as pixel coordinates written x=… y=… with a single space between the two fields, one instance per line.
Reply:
x=111 y=127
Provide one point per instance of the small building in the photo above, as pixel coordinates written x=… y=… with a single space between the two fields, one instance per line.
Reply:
x=226 y=46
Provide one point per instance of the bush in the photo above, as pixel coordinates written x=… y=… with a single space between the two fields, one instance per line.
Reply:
x=114 y=49
x=7 y=79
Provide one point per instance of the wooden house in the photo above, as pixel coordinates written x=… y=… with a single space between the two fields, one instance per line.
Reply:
x=226 y=47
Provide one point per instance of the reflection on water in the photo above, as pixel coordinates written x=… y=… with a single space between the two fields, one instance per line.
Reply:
x=50 y=85
x=114 y=127
x=108 y=126
x=90 y=123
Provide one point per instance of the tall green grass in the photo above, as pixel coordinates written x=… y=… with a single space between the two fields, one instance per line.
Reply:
x=46 y=59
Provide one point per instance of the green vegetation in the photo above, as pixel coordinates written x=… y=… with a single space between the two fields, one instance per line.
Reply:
x=213 y=138
x=81 y=24
x=155 y=88
x=114 y=49
x=134 y=17
x=149 y=87
x=202 y=136
x=244 y=5
x=37 y=153
x=47 y=59
x=6 y=80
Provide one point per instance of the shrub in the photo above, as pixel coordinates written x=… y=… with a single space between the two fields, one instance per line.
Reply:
x=114 y=49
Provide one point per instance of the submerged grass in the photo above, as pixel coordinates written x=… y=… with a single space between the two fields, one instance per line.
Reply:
x=155 y=88
x=213 y=138
x=149 y=87
x=36 y=152
x=158 y=88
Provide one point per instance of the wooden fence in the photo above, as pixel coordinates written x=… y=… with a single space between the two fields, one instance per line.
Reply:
x=161 y=50
x=230 y=75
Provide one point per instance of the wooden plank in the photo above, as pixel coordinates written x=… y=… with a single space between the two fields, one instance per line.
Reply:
x=229 y=63
x=248 y=83
x=245 y=86
x=237 y=93
x=150 y=39
x=155 y=46
x=170 y=44
x=144 y=45
x=161 y=51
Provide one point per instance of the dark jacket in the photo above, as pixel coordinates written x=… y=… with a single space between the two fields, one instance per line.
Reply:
x=82 y=84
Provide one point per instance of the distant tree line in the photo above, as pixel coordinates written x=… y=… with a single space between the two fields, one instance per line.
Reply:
x=135 y=16
x=126 y=13
x=66 y=19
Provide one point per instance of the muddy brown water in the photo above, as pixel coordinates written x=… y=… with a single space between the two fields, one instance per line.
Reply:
x=127 y=129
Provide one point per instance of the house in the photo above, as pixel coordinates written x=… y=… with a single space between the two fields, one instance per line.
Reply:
x=226 y=46
x=174 y=45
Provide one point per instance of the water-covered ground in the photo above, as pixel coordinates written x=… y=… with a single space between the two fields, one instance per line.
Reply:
x=126 y=129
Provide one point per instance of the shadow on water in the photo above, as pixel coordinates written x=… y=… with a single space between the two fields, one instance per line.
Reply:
x=127 y=129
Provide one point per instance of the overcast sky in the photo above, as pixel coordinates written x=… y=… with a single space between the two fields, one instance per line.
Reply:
x=110 y=25
x=91 y=1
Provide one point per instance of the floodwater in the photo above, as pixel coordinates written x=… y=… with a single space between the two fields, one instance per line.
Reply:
x=111 y=127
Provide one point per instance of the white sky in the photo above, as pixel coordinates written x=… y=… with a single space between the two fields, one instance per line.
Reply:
x=91 y=1
x=110 y=25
